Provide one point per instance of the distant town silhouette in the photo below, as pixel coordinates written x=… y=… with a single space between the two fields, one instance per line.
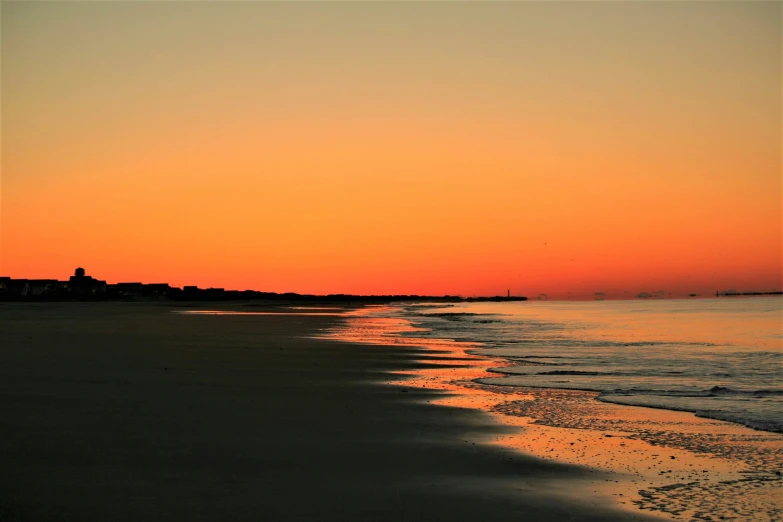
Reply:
x=82 y=287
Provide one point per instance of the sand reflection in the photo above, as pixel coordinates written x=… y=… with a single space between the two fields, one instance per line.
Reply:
x=235 y=312
x=673 y=463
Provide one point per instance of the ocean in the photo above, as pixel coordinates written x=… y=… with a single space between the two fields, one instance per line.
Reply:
x=613 y=386
x=718 y=358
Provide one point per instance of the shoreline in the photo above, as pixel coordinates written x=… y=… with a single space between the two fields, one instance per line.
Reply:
x=671 y=462
x=494 y=373
x=133 y=412
x=600 y=397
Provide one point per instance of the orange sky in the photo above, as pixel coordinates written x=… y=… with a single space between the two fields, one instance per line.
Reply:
x=461 y=148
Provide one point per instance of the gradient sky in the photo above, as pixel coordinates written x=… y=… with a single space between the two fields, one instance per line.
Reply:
x=389 y=147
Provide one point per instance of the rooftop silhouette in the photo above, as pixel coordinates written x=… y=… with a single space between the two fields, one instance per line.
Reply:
x=82 y=287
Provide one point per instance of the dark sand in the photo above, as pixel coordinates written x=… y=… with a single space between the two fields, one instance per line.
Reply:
x=114 y=411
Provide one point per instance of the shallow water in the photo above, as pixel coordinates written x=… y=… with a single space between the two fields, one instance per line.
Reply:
x=561 y=364
x=718 y=358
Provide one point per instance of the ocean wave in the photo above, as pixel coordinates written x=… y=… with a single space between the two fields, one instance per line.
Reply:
x=599 y=343
x=637 y=361
x=530 y=362
x=722 y=390
x=572 y=372
x=727 y=409
x=775 y=426
x=449 y=316
x=714 y=391
x=413 y=307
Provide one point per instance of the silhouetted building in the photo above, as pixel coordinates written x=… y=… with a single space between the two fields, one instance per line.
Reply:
x=136 y=290
x=129 y=288
x=84 y=285
x=195 y=293
x=155 y=289
x=17 y=287
x=39 y=287
x=213 y=293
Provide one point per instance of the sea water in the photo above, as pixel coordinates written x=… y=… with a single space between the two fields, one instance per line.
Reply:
x=539 y=366
x=719 y=358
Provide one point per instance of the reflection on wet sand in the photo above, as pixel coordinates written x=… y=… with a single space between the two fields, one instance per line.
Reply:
x=672 y=463
x=235 y=312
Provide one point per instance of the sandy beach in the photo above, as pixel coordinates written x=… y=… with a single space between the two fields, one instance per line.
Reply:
x=391 y=261
x=131 y=411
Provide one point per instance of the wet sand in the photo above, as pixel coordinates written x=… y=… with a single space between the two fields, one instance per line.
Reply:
x=671 y=463
x=126 y=411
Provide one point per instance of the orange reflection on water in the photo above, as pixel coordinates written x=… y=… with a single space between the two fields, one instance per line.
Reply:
x=673 y=463
x=368 y=326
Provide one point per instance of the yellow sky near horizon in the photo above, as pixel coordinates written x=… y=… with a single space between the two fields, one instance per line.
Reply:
x=395 y=147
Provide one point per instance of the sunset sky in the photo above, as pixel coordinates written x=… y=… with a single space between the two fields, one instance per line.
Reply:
x=390 y=147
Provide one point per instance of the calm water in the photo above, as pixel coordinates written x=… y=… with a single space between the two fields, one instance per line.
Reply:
x=718 y=358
